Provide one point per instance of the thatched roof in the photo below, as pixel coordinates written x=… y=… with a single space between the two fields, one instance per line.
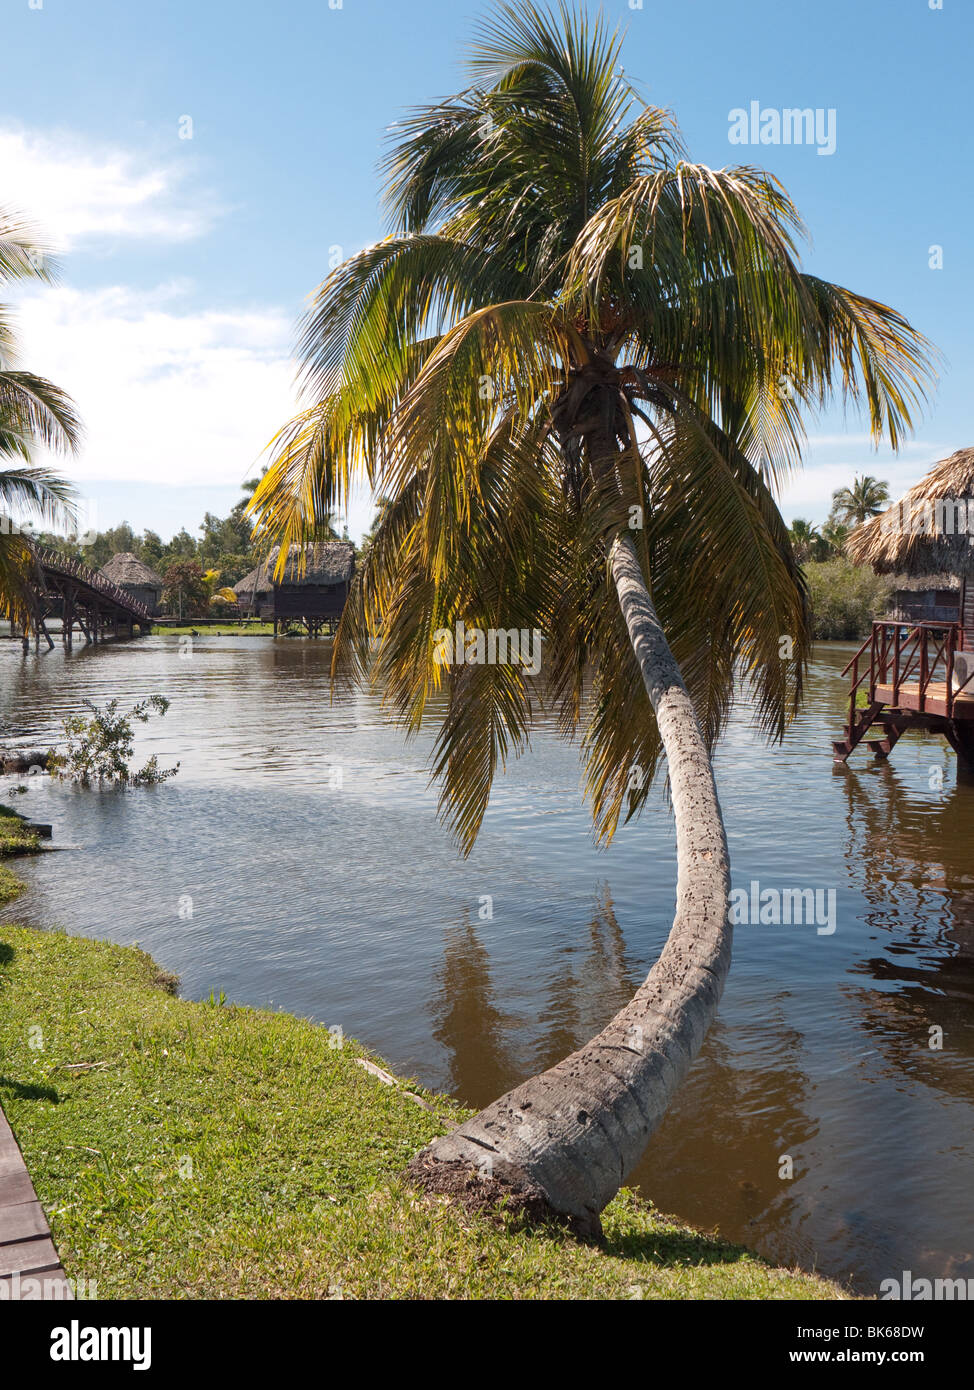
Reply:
x=923 y=583
x=326 y=562
x=255 y=581
x=930 y=531
x=127 y=570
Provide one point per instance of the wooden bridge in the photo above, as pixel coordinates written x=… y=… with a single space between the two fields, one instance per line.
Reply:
x=64 y=588
x=914 y=676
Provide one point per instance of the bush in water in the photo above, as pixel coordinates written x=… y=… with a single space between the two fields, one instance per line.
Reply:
x=98 y=749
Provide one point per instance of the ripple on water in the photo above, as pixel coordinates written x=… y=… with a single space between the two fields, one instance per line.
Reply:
x=350 y=905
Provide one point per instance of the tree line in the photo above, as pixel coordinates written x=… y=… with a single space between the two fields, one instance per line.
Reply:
x=198 y=572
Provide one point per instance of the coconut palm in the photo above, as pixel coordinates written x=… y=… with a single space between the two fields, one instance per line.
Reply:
x=834 y=536
x=32 y=411
x=563 y=368
x=865 y=498
x=806 y=542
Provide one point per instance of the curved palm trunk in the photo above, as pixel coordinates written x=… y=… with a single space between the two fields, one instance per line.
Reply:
x=565 y=1140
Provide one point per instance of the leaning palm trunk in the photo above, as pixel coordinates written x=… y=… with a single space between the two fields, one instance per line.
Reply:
x=497 y=499
x=565 y=1140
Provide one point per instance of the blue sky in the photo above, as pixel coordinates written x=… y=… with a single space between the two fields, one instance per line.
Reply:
x=186 y=261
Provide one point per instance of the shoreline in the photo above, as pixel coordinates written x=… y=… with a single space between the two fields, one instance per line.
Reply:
x=197 y=1149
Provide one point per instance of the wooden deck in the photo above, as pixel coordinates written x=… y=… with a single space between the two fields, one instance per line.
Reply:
x=26 y=1247
x=906 y=672
x=934 y=701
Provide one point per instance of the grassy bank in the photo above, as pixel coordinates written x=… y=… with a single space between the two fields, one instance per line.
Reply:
x=15 y=838
x=227 y=629
x=205 y=1150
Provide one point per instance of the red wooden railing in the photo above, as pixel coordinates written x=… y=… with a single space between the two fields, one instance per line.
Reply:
x=901 y=654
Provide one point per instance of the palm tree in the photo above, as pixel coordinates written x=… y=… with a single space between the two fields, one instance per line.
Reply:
x=321 y=527
x=562 y=367
x=834 y=536
x=865 y=498
x=805 y=540
x=32 y=411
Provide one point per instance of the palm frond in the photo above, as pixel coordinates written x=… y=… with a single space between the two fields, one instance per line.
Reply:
x=33 y=410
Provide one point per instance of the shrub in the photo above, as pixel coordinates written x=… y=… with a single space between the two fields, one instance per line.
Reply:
x=845 y=598
x=98 y=749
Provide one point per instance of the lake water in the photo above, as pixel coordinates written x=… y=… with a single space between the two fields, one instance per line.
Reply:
x=348 y=904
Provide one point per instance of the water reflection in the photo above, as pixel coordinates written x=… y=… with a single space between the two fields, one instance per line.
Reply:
x=467 y=1022
x=350 y=906
x=913 y=859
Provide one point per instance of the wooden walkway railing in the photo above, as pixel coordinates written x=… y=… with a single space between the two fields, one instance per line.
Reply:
x=913 y=675
x=908 y=659
x=68 y=565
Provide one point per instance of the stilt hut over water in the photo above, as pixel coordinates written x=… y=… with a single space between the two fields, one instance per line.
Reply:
x=311 y=594
x=136 y=578
x=924 y=598
x=253 y=590
x=918 y=672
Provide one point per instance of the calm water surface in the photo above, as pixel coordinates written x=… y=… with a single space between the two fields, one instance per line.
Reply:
x=349 y=905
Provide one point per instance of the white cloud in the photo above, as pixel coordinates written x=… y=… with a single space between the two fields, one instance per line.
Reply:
x=809 y=493
x=171 y=394
x=76 y=191
x=166 y=396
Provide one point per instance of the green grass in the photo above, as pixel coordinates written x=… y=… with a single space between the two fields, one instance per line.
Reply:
x=224 y=630
x=15 y=838
x=207 y=1150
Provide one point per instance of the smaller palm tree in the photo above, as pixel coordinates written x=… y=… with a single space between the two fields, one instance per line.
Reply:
x=805 y=540
x=834 y=536
x=865 y=498
x=32 y=411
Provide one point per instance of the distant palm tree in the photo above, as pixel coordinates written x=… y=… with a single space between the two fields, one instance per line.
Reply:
x=382 y=505
x=834 y=535
x=557 y=272
x=805 y=541
x=32 y=411
x=865 y=498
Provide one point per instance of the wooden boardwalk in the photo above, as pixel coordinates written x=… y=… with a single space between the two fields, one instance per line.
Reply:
x=64 y=588
x=26 y=1247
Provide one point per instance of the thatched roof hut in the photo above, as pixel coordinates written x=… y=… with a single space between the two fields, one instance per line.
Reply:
x=325 y=562
x=127 y=571
x=136 y=578
x=930 y=531
x=252 y=587
x=314 y=595
x=925 y=598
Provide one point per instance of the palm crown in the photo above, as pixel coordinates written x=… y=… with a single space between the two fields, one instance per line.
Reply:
x=572 y=332
x=32 y=411
x=865 y=498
